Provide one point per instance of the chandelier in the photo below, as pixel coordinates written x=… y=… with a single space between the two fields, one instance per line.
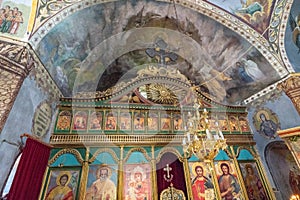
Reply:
x=203 y=144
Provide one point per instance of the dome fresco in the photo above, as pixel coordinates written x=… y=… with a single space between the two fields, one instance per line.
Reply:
x=83 y=51
x=231 y=50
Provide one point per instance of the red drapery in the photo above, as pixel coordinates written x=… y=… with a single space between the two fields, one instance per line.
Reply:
x=177 y=173
x=29 y=175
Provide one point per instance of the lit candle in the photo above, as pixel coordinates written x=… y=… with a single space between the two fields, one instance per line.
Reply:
x=188 y=137
x=208 y=135
x=221 y=135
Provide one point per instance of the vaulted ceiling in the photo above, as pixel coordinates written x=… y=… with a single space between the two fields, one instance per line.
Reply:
x=93 y=45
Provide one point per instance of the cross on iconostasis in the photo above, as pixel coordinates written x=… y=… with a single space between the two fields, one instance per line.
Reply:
x=168 y=177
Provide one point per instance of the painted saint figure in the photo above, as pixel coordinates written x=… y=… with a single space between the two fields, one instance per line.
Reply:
x=249 y=71
x=200 y=184
x=253 y=184
x=228 y=184
x=295 y=26
x=294 y=180
x=267 y=126
x=138 y=186
x=61 y=191
x=103 y=188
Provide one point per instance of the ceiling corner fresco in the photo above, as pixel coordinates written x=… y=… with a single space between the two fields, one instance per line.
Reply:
x=292 y=36
x=256 y=13
x=231 y=54
x=14 y=17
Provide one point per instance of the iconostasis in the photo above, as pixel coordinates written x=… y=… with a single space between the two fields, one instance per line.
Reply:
x=122 y=145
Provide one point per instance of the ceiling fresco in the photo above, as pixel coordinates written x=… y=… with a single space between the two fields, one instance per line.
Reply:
x=257 y=13
x=292 y=37
x=104 y=44
x=19 y=11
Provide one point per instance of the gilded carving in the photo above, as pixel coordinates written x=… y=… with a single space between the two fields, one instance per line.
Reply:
x=253 y=153
x=110 y=151
x=169 y=149
x=145 y=76
x=139 y=149
x=291 y=87
x=64 y=151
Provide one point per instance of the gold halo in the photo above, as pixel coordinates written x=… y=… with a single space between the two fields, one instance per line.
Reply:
x=219 y=170
x=262 y=112
x=195 y=164
x=104 y=166
x=61 y=173
x=248 y=165
x=138 y=169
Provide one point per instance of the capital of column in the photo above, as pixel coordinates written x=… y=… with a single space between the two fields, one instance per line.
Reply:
x=16 y=57
x=291 y=87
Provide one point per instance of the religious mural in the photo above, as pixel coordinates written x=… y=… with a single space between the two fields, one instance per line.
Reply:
x=292 y=35
x=165 y=122
x=228 y=181
x=62 y=184
x=125 y=121
x=95 y=121
x=86 y=120
x=63 y=122
x=294 y=179
x=244 y=125
x=266 y=123
x=14 y=16
x=111 y=121
x=232 y=71
x=102 y=182
x=243 y=76
x=139 y=121
x=253 y=183
x=137 y=184
x=201 y=180
x=177 y=121
x=295 y=145
x=257 y=13
x=152 y=122
x=80 y=120
x=283 y=168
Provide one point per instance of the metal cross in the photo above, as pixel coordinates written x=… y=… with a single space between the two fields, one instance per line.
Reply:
x=168 y=169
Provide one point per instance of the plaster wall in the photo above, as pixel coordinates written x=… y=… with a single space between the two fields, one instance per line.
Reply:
x=288 y=117
x=18 y=122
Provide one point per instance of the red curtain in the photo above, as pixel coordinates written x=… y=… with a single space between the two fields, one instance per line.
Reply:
x=29 y=175
x=177 y=173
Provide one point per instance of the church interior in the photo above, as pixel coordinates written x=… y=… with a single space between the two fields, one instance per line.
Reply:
x=150 y=99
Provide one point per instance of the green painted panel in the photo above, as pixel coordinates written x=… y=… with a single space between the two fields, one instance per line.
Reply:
x=245 y=155
x=222 y=155
x=65 y=160
x=104 y=158
x=136 y=157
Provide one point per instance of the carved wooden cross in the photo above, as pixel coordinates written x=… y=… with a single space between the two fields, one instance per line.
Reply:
x=168 y=169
